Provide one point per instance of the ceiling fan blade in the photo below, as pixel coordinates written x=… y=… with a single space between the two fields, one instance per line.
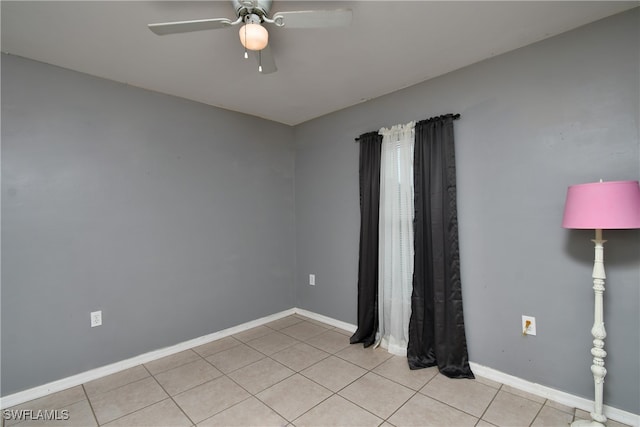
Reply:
x=314 y=18
x=265 y=57
x=164 y=28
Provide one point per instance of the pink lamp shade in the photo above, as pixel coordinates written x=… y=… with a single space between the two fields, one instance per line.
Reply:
x=603 y=205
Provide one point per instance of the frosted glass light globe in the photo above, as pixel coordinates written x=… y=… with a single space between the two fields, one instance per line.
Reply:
x=254 y=36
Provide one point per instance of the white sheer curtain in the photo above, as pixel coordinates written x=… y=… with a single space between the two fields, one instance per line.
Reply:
x=395 y=254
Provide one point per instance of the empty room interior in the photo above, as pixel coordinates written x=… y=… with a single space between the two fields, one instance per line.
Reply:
x=189 y=237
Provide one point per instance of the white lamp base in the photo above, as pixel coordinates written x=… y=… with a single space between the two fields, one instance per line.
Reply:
x=599 y=334
x=586 y=423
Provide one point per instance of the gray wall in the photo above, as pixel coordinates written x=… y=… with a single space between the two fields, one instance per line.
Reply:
x=563 y=111
x=174 y=218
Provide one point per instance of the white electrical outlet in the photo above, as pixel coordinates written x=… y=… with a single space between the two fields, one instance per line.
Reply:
x=312 y=279
x=530 y=327
x=96 y=318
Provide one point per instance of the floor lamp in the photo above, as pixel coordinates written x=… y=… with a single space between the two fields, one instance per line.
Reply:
x=601 y=206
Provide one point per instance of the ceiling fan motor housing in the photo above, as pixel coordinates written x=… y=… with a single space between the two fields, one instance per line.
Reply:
x=252 y=7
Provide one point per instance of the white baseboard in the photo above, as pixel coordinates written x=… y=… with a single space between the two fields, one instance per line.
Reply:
x=328 y=320
x=83 y=377
x=480 y=370
x=553 y=394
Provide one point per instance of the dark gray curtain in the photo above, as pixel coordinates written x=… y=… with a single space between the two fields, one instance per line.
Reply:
x=436 y=327
x=370 y=152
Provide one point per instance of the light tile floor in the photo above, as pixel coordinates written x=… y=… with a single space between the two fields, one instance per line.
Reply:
x=294 y=371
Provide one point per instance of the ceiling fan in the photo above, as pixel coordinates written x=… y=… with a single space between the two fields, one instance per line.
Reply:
x=253 y=35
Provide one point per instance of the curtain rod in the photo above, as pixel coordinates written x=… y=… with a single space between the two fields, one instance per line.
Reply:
x=454 y=116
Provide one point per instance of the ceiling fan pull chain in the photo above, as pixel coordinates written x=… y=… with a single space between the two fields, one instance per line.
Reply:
x=246 y=54
x=260 y=61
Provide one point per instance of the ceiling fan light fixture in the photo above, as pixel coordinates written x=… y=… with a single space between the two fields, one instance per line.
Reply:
x=254 y=36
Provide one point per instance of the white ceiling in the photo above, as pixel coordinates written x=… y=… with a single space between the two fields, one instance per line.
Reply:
x=389 y=45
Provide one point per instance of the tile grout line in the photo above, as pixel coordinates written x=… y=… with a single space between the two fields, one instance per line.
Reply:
x=180 y=366
x=479 y=418
x=306 y=367
x=174 y=367
x=298 y=341
x=337 y=392
x=139 y=409
x=235 y=404
x=93 y=412
x=347 y=385
x=365 y=409
x=267 y=355
x=147 y=406
x=462 y=410
x=399 y=383
x=115 y=388
x=314 y=406
x=299 y=373
x=255 y=395
x=260 y=400
x=245 y=343
x=418 y=392
x=538 y=413
x=271 y=327
x=490 y=403
x=226 y=374
x=353 y=363
x=400 y=407
x=255 y=361
x=333 y=354
x=409 y=388
x=225 y=409
x=170 y=397
x=310 y=379
x=414 y=394
x=237 y=369
x=219 y=351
